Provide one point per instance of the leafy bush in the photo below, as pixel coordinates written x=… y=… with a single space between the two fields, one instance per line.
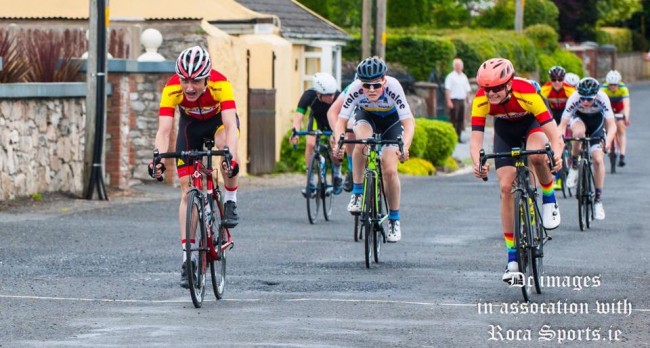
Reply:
x=544 y=37
x=291 y=160
x=416 y=166
x=441 y=140
x=419 y=143
x=569 y=61
x=502 y=14
x=619 y=37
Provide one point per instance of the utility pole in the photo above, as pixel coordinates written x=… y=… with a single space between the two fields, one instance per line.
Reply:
x=366 y=20
x=519 y=15
x=95 y=101
x=380 y=29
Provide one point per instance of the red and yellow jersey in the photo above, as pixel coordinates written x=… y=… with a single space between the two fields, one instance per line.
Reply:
x=522 y=102
x=557 y=99
x=218 y=96
x=616 y=97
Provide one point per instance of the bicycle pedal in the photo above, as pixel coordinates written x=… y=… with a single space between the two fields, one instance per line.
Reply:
x=232 y=245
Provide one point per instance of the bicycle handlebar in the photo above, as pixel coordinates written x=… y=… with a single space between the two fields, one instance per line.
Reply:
x=586 y=140
x=193 y=155
x=316 y=132
x=373 y=140
x=517 y=153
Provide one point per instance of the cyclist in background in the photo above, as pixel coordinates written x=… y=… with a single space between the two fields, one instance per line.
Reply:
x=520 y=115
x=319 y=98
x=589 y=112
x=557 y=92
x=332 y=117
x=619 y=96
x=206 y=105
x=382 y=109
x=571 y=79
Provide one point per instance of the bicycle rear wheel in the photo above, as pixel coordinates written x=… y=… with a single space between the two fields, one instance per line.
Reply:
x=358 y=232
x=312 y=189
x=521 y=233
x=367 y=214
x=327 y=187
x=196 y=255
x=218 y=265
x=612 y=159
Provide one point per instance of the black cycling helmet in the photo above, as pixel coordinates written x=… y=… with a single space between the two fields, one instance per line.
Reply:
x=588 y=87
x=371 y=68
x=556 y=72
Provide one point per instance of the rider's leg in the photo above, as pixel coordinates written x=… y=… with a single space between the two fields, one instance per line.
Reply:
x=309 y=151
x=597 y=157
x=389 y=160
x=506 y=176
x=621 y=140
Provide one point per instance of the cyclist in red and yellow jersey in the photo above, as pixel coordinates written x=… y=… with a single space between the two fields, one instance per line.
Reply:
x=557 y=92
x=519 y=115
x=619 y=96
x=206 y=105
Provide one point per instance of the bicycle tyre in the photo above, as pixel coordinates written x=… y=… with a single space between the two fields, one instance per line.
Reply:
x=358 y=235
x=582 y=194
x=327 y=187
x=378 y=227
x=592 y=195
x=612 y=159
x=589 y=197
x=521 y=229
x=218 y=266
x=563 y=175
x=367 y=208
x=195 y=225
x=313 y=199
x=536 y=242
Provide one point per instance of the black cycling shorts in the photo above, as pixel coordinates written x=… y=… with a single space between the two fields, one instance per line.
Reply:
x=191 y=133
x=509 y=134
x=389 y=126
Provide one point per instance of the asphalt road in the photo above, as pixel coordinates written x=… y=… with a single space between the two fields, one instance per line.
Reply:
x=79 y=274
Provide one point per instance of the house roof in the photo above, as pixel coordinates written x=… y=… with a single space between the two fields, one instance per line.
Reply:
x=297 y=21
x=210 y=10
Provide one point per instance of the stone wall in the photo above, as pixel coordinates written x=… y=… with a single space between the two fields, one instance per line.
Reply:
x=41 y=143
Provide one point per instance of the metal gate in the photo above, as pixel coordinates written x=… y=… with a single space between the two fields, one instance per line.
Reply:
x=261 y=131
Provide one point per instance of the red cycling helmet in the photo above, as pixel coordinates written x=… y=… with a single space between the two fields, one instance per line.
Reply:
x=495 y=72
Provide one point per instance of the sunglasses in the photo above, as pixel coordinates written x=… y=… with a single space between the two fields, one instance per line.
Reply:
x=373 y=85
x=495 y=89
x=587 y=99
x=557 y=80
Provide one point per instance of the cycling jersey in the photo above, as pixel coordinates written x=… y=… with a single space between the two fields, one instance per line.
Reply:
x=318 y=108
x=392 y=100
x=600 y=106
x=616 y=97
x=218 y=96
x=522 y=102
x=557 y=98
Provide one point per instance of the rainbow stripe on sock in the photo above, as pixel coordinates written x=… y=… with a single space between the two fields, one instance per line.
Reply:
x=510 y=245
x=548 y=193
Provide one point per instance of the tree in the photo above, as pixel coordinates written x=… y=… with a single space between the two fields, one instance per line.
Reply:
x=577 y=19
x=616 y=11
x=502 y=14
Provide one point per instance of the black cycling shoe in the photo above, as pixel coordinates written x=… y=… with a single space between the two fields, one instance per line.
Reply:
x=347 y=184
x=621 y=161
x=338 y=183
x=231 y=217
x=185 y=283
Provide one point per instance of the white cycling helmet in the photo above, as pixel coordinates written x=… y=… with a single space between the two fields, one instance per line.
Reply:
x=324 y=83
x=194 y=64
x=613 y=77
x=571 y=79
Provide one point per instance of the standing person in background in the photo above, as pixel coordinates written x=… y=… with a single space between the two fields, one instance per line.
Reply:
x=457 y=91
x=619 y=97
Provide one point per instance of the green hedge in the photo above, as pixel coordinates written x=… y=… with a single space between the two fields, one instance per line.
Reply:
x=544 y=37
x=441 y=140
x=619 y=37
x=569 y=61
x=416 y=166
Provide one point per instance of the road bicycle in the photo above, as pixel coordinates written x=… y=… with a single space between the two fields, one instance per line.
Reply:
x=369 y=223
x=320 y=176
x=585 y=189
x=205 y=213
x=564 y=172
x=529 y=232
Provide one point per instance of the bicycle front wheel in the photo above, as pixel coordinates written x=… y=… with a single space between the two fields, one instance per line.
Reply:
x=311 y=189
x=521 y=233
x=218 y=266
x=327 y=187
x=583 y=195
x=536 y=243
x=195 y=247
x=367 y=209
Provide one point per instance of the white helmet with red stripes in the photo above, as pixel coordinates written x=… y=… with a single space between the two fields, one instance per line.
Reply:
x=194 y=64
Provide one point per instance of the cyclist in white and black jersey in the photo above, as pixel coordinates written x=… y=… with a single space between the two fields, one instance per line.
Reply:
x=589 y=113
x=382 y=109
